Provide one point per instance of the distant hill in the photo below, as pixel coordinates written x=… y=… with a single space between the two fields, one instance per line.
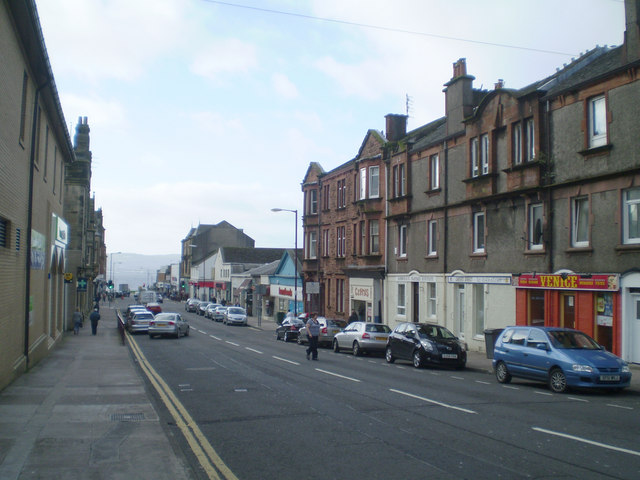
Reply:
x=137 y=269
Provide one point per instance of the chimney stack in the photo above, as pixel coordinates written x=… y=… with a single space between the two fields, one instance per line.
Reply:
x=396 y=126
x=458 y=97
x=631 y=48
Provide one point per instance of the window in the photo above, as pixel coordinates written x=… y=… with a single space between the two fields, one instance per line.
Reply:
x=341 y=241
x=535 y=227
x=4 y=233
x=46 y=153
x=55 y=167
x=475 y=171
x=431 y=300
x=434 y=172
x=402 y=241
x=478 y=300
x=580 y=222
x=432 y=238
x=23 y=106
x=399 y=180
x=402 y=306
x=363 y=238
x=363 y=183
x=325 y=197
x=37 y=141
x=478 y=232
x=631 y=214
x=403 y=181
x=313 y=202
x=597 y=117
x=374 y=182
x=530 y=140
x=312 y=245
x=484 y=153
x=517 y=143
x=325 y=242
x=340 y=295
x=342 y=193
x=374 y=236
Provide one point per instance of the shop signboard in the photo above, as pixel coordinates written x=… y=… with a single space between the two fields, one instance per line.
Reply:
x=606 y=283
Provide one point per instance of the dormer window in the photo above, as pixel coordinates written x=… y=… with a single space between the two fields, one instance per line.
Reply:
x=597 y=117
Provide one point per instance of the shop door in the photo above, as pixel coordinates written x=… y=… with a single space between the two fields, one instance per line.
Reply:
x=460 y=310
x=568 y=314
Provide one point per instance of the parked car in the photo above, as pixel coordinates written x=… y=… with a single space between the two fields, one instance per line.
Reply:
x=328 y=328
x=361 y=337
x=191 y=305
x=289 y=329
x=202 y=306
x=131 y=308
x=154 y=308
x=139 y=321
x=235 y=316
x=219 y=313
x=561 y=357
x=172 y=324
x=423 y=343
x=208 y=313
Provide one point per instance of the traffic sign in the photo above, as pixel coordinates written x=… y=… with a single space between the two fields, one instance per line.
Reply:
x=68 y=277
x=82 y=284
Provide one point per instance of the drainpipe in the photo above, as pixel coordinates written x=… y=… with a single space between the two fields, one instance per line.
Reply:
x=549 y=243
x=32 y=160
x=445 y=233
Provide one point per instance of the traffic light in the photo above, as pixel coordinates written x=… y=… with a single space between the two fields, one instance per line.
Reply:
x=110 y=284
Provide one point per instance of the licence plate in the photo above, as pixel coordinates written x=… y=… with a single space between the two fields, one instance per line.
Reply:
x=449 y=355
x=609 y=378
x=382 y=339
x=161 y=324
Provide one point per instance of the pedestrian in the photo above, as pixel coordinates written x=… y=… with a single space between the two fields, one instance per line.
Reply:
x=94 y=317
x=313 y=331
x=77 y=321
x=353 y=317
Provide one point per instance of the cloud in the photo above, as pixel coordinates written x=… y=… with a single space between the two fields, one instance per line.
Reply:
x=284 y=87
x=225 y=56
x=104 y=112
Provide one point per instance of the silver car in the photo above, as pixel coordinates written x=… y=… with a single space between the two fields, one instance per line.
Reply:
x=328 y=328
x=139 y=321
x=208 y=313
x=219 y=313
x=361 y=337
x=172 y=324
x=235 y=316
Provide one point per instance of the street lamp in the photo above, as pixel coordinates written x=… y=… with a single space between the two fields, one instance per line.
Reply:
x=295 y=260
x=111 y=264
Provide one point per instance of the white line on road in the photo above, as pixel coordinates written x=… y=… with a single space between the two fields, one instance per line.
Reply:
x=253 y=350
x=285 y=360
x=231 y=343
x=337 y=375
x=510 y=388
x=619 y=406
x=584 y=440
x=215 y=338
x=543 y=393
x=431 y=401
x=578 y=399
x=202 y=331
x=484 y=383
x=457 y=378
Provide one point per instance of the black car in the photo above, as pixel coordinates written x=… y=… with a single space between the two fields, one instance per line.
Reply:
x=426 y=343
x=289 y=329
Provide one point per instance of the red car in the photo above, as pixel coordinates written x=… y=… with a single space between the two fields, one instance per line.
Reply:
x=154 y=308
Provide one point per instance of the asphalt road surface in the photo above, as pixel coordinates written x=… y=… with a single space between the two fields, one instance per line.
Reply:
x=265 y=412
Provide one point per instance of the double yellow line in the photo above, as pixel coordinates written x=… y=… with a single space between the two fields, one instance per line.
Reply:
x=209 y=460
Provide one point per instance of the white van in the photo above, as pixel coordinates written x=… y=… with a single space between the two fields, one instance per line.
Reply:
x=147 y=296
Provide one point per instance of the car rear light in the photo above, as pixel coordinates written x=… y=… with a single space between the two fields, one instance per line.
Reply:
x=365 y=335
x=324 y=330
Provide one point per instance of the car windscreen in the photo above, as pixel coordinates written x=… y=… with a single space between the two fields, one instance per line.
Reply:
x=144 y=316
x=377 y=328
x=434 y=331
x=336 y=323
x=165 y=317
x=575 y=340
x=236 y=311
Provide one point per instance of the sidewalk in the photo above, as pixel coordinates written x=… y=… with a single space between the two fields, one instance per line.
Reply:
x=83 y=412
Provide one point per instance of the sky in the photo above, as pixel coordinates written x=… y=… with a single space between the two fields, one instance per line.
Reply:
x=203 y=111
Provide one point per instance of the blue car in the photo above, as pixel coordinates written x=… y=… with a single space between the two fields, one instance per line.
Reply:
x=560 y=357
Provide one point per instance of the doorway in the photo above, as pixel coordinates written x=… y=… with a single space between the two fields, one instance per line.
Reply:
x=416 y=301
x=568 y=312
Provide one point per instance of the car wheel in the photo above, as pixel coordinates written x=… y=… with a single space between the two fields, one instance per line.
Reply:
x=336 y=347
x=277 y=336
x=417 y=359
x=186 y=333
x=557 y=381
x=388 y=355
x=357 y=352
x=502 y=374
x=286 y=337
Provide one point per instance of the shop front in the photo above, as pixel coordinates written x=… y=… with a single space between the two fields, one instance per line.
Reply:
x=364 y=299
x=589 y=303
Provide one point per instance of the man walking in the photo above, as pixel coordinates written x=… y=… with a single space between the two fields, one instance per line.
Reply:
x=77 y=321
x=94 y=317
x=313 y=331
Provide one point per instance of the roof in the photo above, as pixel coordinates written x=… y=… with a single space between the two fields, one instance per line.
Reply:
x=250 y=255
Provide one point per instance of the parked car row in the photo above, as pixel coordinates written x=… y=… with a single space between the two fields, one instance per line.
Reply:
x=152 y=321
x=227 y=314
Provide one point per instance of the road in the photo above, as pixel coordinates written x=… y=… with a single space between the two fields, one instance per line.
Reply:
x=264 y=411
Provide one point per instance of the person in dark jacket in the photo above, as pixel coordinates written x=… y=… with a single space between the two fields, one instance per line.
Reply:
x=77 y=321
x=94 y=317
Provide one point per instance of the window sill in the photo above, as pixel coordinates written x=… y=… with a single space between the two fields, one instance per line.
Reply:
x=399 y=198
x=522 y=166
x=402 y=259
x=628 y=247
x=433 y=191
x=579 y=250
x=590 y=152
x=478 y=255
x=540 y=251
x=432 y=256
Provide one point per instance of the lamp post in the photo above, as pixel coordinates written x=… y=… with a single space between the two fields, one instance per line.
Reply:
x=295 y=259
x=192 y=246
x=111 y=264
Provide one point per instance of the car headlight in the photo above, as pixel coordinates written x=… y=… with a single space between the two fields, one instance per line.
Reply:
x=625 y=368
x=428 y=346
x=463 y=346
x=582 y=368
